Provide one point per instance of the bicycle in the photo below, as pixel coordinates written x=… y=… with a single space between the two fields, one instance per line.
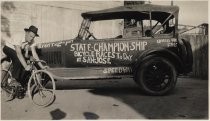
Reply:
x=40 y=86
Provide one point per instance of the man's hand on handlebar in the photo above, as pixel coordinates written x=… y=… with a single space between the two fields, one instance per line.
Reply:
x=28 y=67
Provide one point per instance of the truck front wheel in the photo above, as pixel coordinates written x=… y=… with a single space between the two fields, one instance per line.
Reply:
x=156 y=76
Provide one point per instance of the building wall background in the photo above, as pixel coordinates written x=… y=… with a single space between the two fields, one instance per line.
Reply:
x=192 y=13
x=55 y=20
x=61 y=20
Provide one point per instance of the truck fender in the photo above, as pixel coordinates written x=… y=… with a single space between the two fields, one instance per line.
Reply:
x=160 y=52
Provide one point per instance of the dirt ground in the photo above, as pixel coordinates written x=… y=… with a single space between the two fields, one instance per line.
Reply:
x=114 y=99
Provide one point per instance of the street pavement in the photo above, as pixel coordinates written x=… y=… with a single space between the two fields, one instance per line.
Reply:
x=114 y=99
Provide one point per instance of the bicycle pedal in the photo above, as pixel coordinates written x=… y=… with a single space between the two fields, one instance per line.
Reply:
x=9 y=80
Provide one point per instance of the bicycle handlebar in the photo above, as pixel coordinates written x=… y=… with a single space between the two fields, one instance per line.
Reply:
x=32 y=61
x=38 y=61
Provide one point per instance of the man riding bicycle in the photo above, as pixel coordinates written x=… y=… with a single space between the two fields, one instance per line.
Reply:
x=20 y=55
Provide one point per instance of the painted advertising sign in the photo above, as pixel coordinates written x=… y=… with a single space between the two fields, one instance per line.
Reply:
x=103 y=52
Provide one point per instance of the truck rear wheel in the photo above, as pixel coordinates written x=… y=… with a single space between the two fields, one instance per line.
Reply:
x=156 y=76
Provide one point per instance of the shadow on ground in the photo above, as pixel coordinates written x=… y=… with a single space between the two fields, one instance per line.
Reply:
x=57 y=114
x=90 y=115
x=188 y=101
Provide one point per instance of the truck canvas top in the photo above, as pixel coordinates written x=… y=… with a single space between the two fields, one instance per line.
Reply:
x=134 y=11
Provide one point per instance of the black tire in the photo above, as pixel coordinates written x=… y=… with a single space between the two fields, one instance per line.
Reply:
x=7 y=91
x=188 y=57
x=39 y=90
x=156 y=76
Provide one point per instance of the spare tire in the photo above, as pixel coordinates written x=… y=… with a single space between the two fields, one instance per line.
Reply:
x=188 y=62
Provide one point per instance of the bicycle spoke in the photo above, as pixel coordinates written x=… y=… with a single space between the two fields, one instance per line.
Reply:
x=42 y=95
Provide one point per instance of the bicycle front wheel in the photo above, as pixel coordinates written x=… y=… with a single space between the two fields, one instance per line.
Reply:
x=41 y=88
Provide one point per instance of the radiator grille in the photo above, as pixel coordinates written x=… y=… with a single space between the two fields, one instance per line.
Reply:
x=53 y=57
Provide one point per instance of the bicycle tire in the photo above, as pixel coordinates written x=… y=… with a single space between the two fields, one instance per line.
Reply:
x=37 y=85
x=7 y=92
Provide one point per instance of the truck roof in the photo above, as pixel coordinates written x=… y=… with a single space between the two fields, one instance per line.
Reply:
x=132 y=11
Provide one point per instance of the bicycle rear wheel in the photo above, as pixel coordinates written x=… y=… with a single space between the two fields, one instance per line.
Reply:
x=41 y=88
x=7 y=91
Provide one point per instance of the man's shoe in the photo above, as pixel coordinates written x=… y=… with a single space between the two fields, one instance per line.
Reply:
x=20 y=94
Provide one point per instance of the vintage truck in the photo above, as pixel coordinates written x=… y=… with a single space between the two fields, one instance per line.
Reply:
x=149 y=50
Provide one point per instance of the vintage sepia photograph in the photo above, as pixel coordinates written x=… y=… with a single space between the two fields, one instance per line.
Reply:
x=104 y=60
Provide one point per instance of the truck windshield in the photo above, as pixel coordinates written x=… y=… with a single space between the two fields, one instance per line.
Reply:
x=149 y=26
